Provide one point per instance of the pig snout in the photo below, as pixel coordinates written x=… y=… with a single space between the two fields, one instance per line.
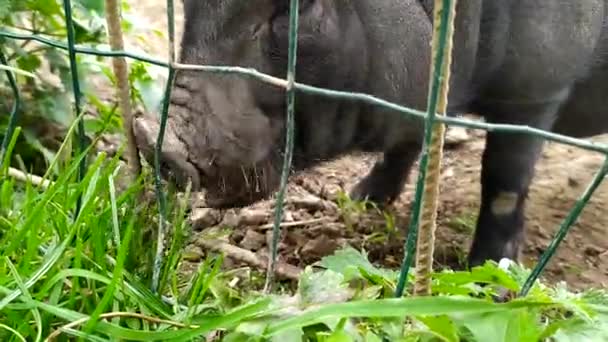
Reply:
x=174 y=161
x=217 y=138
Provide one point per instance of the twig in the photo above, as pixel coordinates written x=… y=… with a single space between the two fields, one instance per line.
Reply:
x=282 y=269
x=293 y=224
x=428 y=215
x=61 y=329
x=24 y=177
x=121 y=72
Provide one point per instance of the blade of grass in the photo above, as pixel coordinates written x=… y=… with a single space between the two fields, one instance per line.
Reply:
x=26 y=294
x=116 y=278
x=396 y=307
x=13 y=331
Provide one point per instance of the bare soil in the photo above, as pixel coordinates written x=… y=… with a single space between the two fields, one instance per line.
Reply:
x=318 y=225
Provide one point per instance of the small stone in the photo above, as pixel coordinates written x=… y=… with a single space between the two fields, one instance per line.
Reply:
x=456 y=135
x=331 y=229
x=448 y=173
x=331 y=192
x=573 y=183
x=296 y=237
x=202 y=218
x=311 y=203
x=253 y=217
x=593 y=251
x=288 y=216
x=231 y=219
x=193 y=253
x=253 y=240
x=319 y=247
x=198 y=199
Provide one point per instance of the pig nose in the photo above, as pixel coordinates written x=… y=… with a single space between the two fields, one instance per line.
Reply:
x=174 y=162
x=179 y=171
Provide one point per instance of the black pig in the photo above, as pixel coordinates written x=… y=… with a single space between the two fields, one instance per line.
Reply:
x=533 y=62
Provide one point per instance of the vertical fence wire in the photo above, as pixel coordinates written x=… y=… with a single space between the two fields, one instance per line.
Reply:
x=431 y=154
x=81 y=143
x=290 y=122
x=14 y=114
x=160 y=195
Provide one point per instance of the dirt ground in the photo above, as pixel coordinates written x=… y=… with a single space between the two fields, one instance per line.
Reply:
x=317 y=225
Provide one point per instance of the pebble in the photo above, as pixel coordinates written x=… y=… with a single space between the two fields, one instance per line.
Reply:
x=253 y=217
x=320 y=246
x=231 y=219
x=192 y=253
x=312 y=203
x=456 y=136
x=202 y=218
x=593 y=251
x=253 y=240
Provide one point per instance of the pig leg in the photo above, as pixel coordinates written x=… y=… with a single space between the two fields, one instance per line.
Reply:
x=383 y=184
x=507 y=170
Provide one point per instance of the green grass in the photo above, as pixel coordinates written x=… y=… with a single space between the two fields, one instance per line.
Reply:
x=463 y=223
x=66 y=275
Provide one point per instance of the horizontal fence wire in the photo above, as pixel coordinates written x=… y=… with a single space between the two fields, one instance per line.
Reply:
x=290 y=85
x=330 y=93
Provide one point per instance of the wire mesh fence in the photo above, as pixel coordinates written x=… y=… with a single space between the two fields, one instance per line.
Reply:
x=441 y=59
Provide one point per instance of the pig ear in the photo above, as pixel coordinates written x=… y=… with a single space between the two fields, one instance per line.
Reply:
x=312 y=14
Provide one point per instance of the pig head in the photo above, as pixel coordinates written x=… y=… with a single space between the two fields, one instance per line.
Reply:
x=225 y=132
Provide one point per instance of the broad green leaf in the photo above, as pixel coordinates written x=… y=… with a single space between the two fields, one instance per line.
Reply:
x=93 y=5
x=398 y=307
x=517 y=325
x=338 y=336
x=575 y=330
x=322 y=287
x=442 y=326
x=354 y=264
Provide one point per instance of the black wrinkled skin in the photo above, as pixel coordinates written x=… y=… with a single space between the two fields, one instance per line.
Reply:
x=533 y=62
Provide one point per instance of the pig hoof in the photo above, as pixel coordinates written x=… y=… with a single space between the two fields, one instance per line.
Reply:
x=373 y=191
x=494 y=251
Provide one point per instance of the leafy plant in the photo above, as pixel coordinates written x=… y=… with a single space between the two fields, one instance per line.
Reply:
x=86 y=274
x=47 y=99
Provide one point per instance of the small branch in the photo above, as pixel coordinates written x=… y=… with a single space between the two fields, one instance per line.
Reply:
x=435 y=135
x=59 y=331
x=283 y=270
x=25 y=177
x=122 y=74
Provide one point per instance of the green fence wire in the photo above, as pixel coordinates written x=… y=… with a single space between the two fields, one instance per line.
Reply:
x=291 y=98
x=81 y=134
x=433 y=102
x=162 y=201
x=14 y=115
x=291 y=86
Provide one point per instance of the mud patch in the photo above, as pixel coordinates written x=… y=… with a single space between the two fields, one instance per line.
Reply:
x=317 y=220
